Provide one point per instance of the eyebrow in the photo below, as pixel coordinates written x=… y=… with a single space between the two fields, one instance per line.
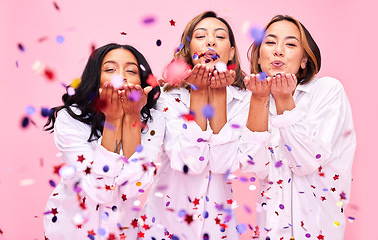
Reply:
x=288 y=37
x=127 y=63
x=217 y=29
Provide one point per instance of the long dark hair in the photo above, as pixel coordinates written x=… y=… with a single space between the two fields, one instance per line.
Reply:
x=87 y=94
x=310 y=48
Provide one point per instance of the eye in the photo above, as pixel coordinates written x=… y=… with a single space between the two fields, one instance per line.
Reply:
x=200 y=36
x=291 y=44
x=110 y=70
x=269 y=42
x=131 y=71
x=221 y=37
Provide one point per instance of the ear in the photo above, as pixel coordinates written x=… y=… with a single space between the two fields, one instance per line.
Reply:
x=232 y=53
x=304 y=62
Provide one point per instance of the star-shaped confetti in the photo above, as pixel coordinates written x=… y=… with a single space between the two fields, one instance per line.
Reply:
x=141 y=234
x=80 y=158
x=173 y=23
x=134 y=223
x=189 y=218
x=196 y=201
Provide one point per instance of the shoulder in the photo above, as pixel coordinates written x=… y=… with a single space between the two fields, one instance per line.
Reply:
x=326 y=83
x=64 y=121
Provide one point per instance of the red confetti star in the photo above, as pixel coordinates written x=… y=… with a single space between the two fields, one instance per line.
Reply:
x=146 y=227
x=141 y=234
x=144 y=217
x=333 y=189
x=80 y=158
x=323 y=198
x=172 y=22
x=188 y=117
x=49 y=74
x=229 y=201
x=189 y=218
x=134 y=223
x=279 y=181
x=79 y=226
x=223 y=225
x=88 y=170
x=54 y=211
x=57 y=168
x=217 y=220
x=177 y=100
x=91 y=232
x=196 y=202
x=124 y=198
x=321 y=237
x=336 y=177
x=123 y=33
x=165 y=109
x=112 y=236
x=151 y=80
x=122 y=236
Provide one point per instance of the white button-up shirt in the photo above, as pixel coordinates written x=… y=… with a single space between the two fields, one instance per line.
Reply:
x=192 y=195
x=306 y=183
x=95 y=197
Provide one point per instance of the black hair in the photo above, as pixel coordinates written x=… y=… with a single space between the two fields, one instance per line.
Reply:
x=87 y=93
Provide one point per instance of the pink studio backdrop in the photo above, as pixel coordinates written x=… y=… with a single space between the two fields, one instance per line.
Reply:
x=342 y=29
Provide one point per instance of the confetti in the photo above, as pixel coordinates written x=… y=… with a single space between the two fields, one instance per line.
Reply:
x=149 y=20
x=105 y=168
x=172 y=22
x=241 y=228
x=123 y=33
x=21 y=47
x=257 y=34
x=139 y=148
x=308 y=235
x=208 y=111
x=262 y=76
x=158 y=42
x=176 y=72
x=221 y=67
x=318 y=156
x=60 y=39
x=281 y=206
x=52 y=183
x=252 y=187
x=25 y=122
x=45 y=112
x=134 y=95
x=278 y=164
x=194 y=87
x=252 y=179
x=30 y=110
x=27 y=182
x=151 y=80
x=117 y=81
x=71 y=91
x=56 y=6
x=336 y=223
x=185 y=169
x=201 y=158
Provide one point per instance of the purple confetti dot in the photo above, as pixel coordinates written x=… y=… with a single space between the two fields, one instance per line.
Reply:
x=184 y=126
x=262 y=76
x=205 y=214
x=207 y=198
x=105 y=168
x=60 y=39
x=325 y=189
x=30 y=110
x=257 y=34
x=208 y=111
x=167 y=204
x=247 y=209
x=148 y=20
x=153 y=219
x=195 y=56
x=77 y=189
x=235 y=125
x=282 y=207
x=181 y=213
x=206 y=236
x=201 y=158
x=250 y=162
x=200 y=140
x=252 y=179
x=139 y=148
x=222 y=229
x=241 y=228
x=134 y=95
x=188 y=38
x=52 y=183
x=134 y=160
x=318 y=156
x=243 y=179
x=114 y=208
x=16 y=63
x=278 y=164
x=101 y=232
x=45 y=112
x=308 y=235
x=141 y=190
x=194 y=87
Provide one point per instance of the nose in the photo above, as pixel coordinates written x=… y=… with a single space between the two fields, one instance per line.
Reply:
x=210 y=42
x=278 y=51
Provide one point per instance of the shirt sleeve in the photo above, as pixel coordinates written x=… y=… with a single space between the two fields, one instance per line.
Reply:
x=138 y=171
x=254 y=154
x=185 y=143
x=315 y=137
x=95 y=168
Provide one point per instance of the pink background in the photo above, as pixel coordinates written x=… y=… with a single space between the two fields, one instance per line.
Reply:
x=343 y=30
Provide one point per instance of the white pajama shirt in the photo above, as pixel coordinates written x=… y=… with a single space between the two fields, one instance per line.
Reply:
x=192 y=196
x=96 y=201
x=308 y=152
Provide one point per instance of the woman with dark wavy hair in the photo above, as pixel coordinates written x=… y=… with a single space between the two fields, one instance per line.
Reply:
x=191 y=197
x=109 y=135
x=301 y=137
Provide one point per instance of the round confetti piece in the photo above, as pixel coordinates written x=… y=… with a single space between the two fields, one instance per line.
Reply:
x=114 y=208
x=318 y=156
x=235 y=125
x=201 y=158
x=91 y=237
x=241 y=228
x=339 y=203
x=167 y=203
x=153 y=219
x=52 y=183
x=199 y=139
x=243 y=179
x=205 y=214
x=194 y=87
x=278 y=164
x=101 y=232
x=308 y=235
x=60 y=39
x=336 y=223
x=222 y=229
x=71 y=91
x=262 y=76
x=206 y=236
x=281 y=206
x=139 y=148
x=257 y=34
x=252 y=179
x=138 y=184
x=54 y=219
x=136 y=203
x=30 y=110
x=252 y=187
x=158 y=42
x=174 y=238
x=208 y=111
x=149 y=20
x=184 y=126
x=141 y=190
x=185 y=169
x=45 y=112
x=25 y=122
x=134 y=95
x=181 y=213
x=104 y=215
x=117 y=81
x=195 y=56
x=221 y=67
x=152 y=132
x=105 y=168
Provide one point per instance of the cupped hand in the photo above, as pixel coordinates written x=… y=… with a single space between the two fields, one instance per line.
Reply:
x=222 y=79
x=283 y=85
x=112 y=105
x=199 y=76
x=259 y=88
x=133 y=98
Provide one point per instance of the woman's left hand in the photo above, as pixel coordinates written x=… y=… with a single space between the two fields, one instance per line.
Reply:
x=133 y=98
x=222 y=79
x=283 y=85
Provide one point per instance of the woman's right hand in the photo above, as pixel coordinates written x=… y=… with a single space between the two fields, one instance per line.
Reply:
x=259 y=89
x=199 y=76
x=112 y=104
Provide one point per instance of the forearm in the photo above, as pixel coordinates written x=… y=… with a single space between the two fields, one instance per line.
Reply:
x=198 y=99
x=131 y=134
x=284 y=104
x=258 y=114
x=112 y=135
x=218 y=100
